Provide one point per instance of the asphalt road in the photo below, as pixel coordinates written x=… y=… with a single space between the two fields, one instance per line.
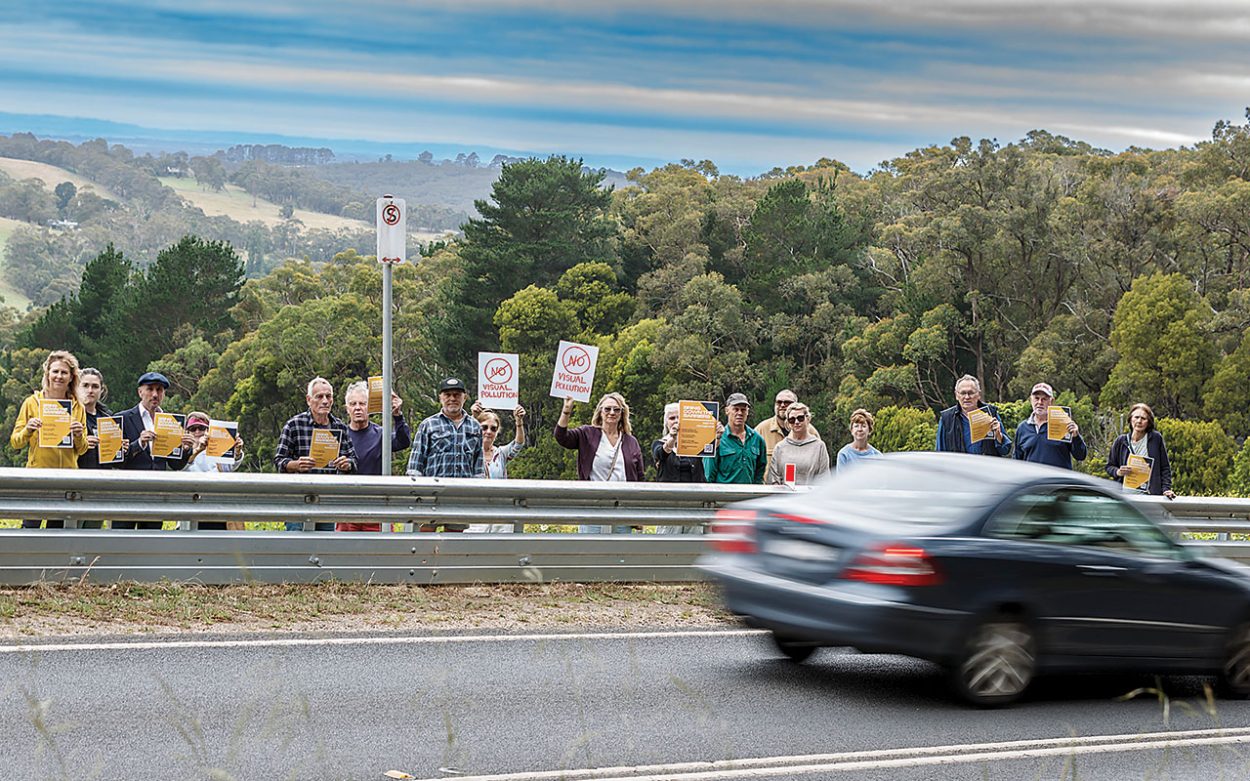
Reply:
x=354 y=709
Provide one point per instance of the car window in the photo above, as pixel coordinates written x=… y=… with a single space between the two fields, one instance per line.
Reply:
x=1074 y=516
x=883 y=494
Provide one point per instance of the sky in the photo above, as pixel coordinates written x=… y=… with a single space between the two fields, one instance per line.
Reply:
x=748 y=84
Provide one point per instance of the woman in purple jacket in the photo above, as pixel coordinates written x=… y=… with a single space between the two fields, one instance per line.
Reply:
x=606 y=449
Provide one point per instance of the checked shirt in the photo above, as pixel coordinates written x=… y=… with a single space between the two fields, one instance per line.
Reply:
x=443 y=449
x=296 y=442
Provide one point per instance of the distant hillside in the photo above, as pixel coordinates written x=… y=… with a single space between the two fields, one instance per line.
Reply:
x=445 y=183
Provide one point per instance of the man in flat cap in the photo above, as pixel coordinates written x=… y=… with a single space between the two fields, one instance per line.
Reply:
x=139 y=429
x=449 y=442
x=741 y=453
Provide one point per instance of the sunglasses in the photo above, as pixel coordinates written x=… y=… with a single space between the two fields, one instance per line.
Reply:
x=197 y=428
x=490 y=428
x=610 y=409
x=796 y=419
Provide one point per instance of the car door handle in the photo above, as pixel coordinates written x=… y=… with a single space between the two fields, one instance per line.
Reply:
x=1100 y=570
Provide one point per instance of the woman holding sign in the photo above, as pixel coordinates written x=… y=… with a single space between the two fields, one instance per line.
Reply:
x=1139 y=459
x=51 y=422
x=606 y=449
x=801 y=457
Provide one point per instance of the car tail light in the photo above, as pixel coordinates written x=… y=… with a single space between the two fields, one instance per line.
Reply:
x=893 y=565
x=734 y=531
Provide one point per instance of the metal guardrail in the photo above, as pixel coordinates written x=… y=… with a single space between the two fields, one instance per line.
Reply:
x=33 y=556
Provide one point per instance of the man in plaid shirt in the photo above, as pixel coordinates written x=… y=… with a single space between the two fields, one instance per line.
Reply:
x=295 y=443
x=449 y=442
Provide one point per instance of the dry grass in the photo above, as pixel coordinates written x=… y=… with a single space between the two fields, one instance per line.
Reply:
x=129 y=609
x=50 y=174
x=235 y=203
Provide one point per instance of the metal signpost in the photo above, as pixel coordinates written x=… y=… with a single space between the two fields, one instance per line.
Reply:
x=392 y=249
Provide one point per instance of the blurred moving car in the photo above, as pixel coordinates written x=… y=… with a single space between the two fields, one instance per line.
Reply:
x=995 y=569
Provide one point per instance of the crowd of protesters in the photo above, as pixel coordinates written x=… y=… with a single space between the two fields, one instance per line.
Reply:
x=784 y=448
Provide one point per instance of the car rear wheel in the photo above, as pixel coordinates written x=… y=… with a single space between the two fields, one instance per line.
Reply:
x=1234 y=681
x=795 y=650
x=997 y=663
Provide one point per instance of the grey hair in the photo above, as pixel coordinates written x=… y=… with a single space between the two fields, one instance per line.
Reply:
x=968 y=378
x=672 y=405
x=356 y=387
x=318 y=380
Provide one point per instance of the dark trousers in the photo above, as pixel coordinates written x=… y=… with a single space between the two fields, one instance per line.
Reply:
x=136 y=524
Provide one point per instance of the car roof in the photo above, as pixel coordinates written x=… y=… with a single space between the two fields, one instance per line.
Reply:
x=1004 y=474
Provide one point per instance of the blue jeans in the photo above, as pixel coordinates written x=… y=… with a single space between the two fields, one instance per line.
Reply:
x=298 y=526
x=597 y=529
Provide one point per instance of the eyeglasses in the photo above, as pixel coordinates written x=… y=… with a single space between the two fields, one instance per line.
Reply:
x=967 y=393
x=490 y=428
x=610 y=409
x=784 y=402
x=796 y=419
x=197 y=428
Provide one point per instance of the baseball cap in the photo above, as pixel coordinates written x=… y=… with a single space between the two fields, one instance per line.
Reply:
x=451 y=383
x=737 y=398
x=1043 y=388
x=150 y=377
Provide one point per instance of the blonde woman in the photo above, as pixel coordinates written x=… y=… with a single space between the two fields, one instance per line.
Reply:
x=60 y=382
x=801 y=447
x=606 y=448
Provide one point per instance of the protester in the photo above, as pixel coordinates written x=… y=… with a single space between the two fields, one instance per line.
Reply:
x=1033 y=442
x=862 y=423
x=606 y=448
x=741 y=453
x=1142 y=440
x=60 y=382
x=91 y=394
x=139 y=429
x=806 y=451
x=496 y=458
x=366 y=439
x=774 y=429
x=954 y=433
x=197 y=424
x=295 y=443
x=672 y=468
x=448 y=443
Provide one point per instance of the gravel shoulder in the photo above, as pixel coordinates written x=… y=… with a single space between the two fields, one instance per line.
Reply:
x=168 y=609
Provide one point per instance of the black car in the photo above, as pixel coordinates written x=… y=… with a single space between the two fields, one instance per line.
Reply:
x=995 y=569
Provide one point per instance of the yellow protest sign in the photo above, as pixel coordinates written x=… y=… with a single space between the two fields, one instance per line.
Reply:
x=979 y=421
x=221 y=434
x=375 y=395
x=109 y=430
x=168 y=441
x=1139 y=475
x=696 y=428
x=54 y=423
x=1057 y=420
x=324 y=447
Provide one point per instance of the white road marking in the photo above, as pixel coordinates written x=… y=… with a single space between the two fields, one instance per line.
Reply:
x=294 y=642
x=918 y=756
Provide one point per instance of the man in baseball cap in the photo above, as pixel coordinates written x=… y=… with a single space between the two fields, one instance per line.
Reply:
x=1032 y=435
x=449 y=442
x=741 y=453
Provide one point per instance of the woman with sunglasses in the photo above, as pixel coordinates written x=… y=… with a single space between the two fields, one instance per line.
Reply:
x=800 y=447
x=496 y=458
x=197 y=426
x=606 y=448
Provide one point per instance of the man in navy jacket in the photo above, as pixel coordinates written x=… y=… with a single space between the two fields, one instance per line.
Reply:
x=139 y=430
x=1032 y=443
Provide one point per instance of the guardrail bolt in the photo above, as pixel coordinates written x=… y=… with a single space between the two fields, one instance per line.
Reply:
x=71 y=496
x=314 y=560
x=310 y=499
x=524 y=561
x=77 y=561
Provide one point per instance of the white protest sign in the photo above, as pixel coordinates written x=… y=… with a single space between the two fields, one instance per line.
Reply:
x=574 y=373
x=498 y=380
x=392 y=230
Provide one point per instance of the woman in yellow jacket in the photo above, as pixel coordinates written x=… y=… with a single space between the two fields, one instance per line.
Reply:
x=60 y=381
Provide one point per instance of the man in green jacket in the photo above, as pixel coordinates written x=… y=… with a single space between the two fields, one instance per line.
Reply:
x=741 y=453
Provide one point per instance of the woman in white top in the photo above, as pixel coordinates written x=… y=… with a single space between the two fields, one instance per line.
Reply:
x=197 y=426
x=496 y=458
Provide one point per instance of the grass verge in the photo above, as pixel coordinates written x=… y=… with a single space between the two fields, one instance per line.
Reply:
x=138 y=609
